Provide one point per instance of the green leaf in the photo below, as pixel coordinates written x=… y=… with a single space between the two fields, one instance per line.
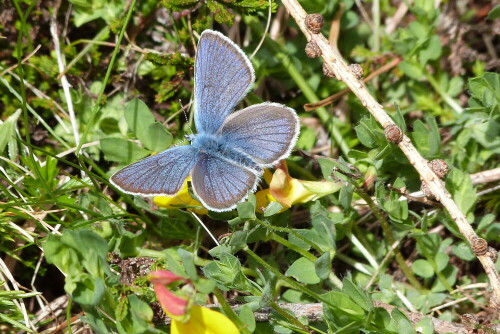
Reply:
x=323 y=228
x=369 y=133
x=442 y=261
x=187 y=259
x=139 y=119
x=423 y=268
x=450 y=275
x=137 y=318
x=425 y=326
x=383 y=319
x=463 y=251
x=227 y=272
x=159 y=139
x=404 y=325
x=272 y=209
x=246 y=210
x=303 y=271
x=239 y=239
x=8 y=129
x=81 y=255
x=141 y=313
x=431 y=50
x=323 y=266
x=342 y=303
x=399 y=119
x=494 y=13
x=247 y=317
x=459 y=184
x=427 y=138
x=485 y=91
x=360 y=297
x=122 y=150
x=178 y=5
x=345 y=195
x=221 y=14
x=326 y=166
x=412 y=70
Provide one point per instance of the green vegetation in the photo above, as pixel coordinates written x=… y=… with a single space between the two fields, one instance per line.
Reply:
x=87 y=87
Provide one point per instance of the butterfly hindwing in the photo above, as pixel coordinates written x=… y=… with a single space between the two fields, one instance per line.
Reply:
x=223 y=76
x=220 y=184
x=227 y=156
x=161 y=174
x=266 y=132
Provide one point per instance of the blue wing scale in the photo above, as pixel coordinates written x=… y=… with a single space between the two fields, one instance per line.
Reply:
x=266 y=132
x=220 y=184
x=223 y=76
x=161 y=174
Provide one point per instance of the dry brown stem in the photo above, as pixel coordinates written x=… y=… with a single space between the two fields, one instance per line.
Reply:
x=332 y=98
x=314 y=312
x=339 y=67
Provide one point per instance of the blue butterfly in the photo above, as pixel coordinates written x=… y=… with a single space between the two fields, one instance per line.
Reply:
x=227 y=156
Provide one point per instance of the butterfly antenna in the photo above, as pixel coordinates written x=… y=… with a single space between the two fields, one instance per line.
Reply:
x=206 y=228
x=186 y=117
x=265 y=31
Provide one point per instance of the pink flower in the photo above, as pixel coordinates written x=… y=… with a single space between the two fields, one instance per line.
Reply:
x=185 y=318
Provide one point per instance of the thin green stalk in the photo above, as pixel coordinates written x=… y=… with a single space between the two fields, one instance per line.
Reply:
x=20 y=72
x=335 y=280
x=22 y=97
x=444 y=95
x=289 y=231
x=103 y=33
x=288 y=280
x=93 y=176
x=68 y=315
x=293 y=247
x=361 y=267
x=230 y=312
x=376 y=25
x=288 y=316
x=376 y=32
x=97 y=105
x=390 y=240
x=440 y=276
x=50 y=202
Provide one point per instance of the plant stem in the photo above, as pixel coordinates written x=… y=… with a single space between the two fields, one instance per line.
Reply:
x=97 y=105
x=288 y=280
x=230 y=312
x=293 y=247
x=390 y=240
x=444 y=95
x=301 y=82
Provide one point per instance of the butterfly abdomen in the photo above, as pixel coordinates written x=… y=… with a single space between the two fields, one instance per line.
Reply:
x=218 y=147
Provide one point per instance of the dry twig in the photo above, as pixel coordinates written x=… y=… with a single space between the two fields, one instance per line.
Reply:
x=314 y=312
x=335 y=63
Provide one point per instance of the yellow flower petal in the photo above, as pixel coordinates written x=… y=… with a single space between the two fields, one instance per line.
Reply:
x=288 y=190
x=182 y=198
x=204 y=321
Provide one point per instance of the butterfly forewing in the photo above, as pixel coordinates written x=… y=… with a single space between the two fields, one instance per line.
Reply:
x=223 y=75
x=266 y=132
x=230 y=150
x=220 y=184
x=161 y=174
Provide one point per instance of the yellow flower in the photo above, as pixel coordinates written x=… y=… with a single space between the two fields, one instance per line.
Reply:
x=203 y=320
x=185 y=319
x=179 y=200
x=288 y=190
